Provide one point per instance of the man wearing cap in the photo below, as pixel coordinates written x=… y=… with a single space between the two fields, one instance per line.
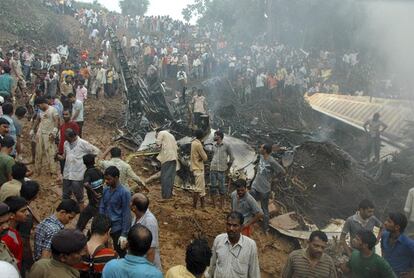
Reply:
x=45 y=231
x=47 y=130
x=68 y=247
x=5 y=254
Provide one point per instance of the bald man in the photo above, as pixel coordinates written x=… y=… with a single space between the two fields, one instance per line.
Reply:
x=143 y=216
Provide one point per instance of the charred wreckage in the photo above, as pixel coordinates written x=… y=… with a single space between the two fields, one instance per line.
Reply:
x=322 y=180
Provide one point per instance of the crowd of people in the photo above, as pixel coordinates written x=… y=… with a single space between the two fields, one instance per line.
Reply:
x=123 y=239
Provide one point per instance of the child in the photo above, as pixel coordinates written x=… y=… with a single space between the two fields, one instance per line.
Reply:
x=93 y=181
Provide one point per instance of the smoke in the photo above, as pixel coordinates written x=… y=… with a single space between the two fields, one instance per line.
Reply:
x=388 y=31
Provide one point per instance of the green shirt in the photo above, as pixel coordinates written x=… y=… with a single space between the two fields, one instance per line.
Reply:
x=373 y=266
x=51 y=268
x=6 y=163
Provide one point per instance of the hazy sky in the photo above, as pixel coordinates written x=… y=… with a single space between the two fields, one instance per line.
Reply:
x=157 y=7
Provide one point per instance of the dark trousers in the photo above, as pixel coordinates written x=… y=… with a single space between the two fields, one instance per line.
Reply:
x=167 y=178
x=115 y=237
x=80 y=124
x=86 y=215
x=24 y=230
x=264 y=201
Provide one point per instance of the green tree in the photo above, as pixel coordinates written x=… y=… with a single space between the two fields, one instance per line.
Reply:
x=134 y=7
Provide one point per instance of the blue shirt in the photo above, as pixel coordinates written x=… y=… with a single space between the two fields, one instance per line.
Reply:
x=129 y=267
x=6 y=83
x=12 y=131
x=44 y=233
x=401 y=255
x=115 y=204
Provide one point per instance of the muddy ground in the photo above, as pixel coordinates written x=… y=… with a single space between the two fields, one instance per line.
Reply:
x=178 y=222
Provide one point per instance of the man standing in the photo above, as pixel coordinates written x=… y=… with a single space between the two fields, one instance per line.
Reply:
x=115 y=203
x=45 y=231
x=243 y=202
x=397 y=248
x=221 y=162
x=143 y=216
x=374 y=128
x=47 y=122
x=125 y=170
x=68 y=247
x=199 y=107
x=363 y=219
x=198 y=156
x=74 y=150
x=364 y=262
x=8 y=110
x=267 y=169
x=182 y=82
x=409 y=211
x=312 y=261
x=77 y=111
x=6 y=84
x=134 y=264
x=168 y=158
x=234 y=255
x=67 y=123
x=197 y=259
x=6 y=161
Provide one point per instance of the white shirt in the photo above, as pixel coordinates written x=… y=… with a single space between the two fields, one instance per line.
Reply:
x=78 y=106
x=409 y=205
x=168 y=146
x=74 y=166
x=148 y=220
x=55 y=59
x=63 y=51
x=260 y=80
x=235 y=261
x=47 y=120
x=181 y=75
x=198 y=102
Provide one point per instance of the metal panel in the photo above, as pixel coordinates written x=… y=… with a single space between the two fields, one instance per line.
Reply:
x=355 y=110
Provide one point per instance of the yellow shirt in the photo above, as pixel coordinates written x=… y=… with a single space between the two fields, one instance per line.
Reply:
x=10 y=188
x=179 y=271
x=198 y=156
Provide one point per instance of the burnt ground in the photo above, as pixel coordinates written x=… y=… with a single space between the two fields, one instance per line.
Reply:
x=178 y=222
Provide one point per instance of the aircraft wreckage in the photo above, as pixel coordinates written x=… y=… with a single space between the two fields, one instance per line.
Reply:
x=318 y=172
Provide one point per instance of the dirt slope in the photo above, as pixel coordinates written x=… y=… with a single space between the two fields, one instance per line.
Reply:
x=31 y=22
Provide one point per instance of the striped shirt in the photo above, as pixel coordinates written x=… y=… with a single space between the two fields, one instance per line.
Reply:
x=298 y=266
x=98 y=261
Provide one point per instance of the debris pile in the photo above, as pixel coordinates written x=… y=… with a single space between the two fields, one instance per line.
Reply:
x=323 y=182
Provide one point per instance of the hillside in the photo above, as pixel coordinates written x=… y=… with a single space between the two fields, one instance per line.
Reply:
x=31 y=22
